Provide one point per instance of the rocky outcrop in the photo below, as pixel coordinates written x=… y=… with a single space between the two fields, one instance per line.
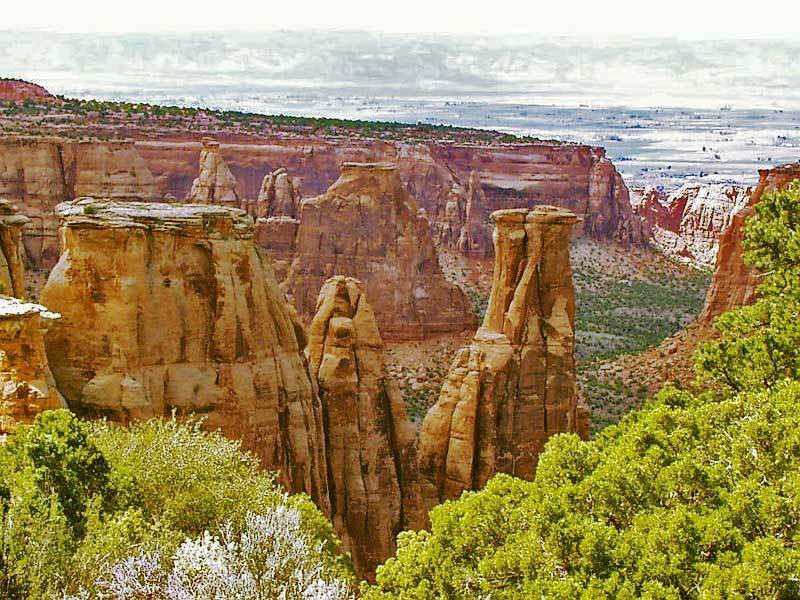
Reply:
x=170 y=307
x=514 y=385
x=511 y=175
x=474 y=239
x=369 y=440
x=26 y=383
x=18 y=90
x=279 y=196
x=38 y=173
x=12 y=267
x=687 y=223
x=215 y=184
x=734 y=283
x=367 y=226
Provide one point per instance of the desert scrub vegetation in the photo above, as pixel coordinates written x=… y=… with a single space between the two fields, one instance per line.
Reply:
x=82 y=502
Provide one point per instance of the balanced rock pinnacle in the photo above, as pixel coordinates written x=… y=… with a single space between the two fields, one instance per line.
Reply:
x=215 y=184
x=367 y=226
x=26 y=383
x=514 y=385
x=173 y=307
x=369 y=439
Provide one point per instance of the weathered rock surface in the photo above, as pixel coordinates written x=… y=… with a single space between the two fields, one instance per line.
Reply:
x=687 y=223
x=367 y=226
x=215 y=184
x=369 y=439
x=38 y=173
x=26 y=383
x=514 y=385
x=475 y=238
x=279 y=196
x=173 y=307
x=734 y=283
x=12 y=265
x=511 y=175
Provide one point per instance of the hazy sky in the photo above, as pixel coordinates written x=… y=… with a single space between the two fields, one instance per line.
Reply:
x=601 y=18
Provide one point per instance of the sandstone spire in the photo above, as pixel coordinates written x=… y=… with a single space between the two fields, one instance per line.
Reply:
x=474 y=239
x=215 y=184
x=367 y=226
x=279 y=196
x=26 y=383
x=173 y=307
x=368 y=437
x=514 y=385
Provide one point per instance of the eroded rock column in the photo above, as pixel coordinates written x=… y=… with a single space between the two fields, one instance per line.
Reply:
x=215 y=184
x=514 y=385
x=174 y=307
x=369 y=439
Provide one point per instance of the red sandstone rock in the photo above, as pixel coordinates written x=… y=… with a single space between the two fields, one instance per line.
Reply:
x=17 y=90
x=514 y=385
x=734 y=283
x=687 y=223
x=215 y=184
x=368 y=437
x=367 y=226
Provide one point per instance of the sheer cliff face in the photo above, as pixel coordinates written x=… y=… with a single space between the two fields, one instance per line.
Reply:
x=12 y=269
x=26 y=383
x=173 y=307
x=368 y=437
x=514 y=385
x=688 y=223
x=576 y=177
x=367 y=226
x=734 y=283
x=37 y=174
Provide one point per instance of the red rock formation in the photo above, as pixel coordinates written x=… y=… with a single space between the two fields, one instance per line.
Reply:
x=366 y=226
x=12 y=270
x=511 y=175
x=173 y=307
x=368 y=437
x=279 y=197
x=687 y=223
x=26 y=383
x=734 y=283
x=474 y=239
x=215 y=184
x=17 y=90
x=514 y=386
x=39 y=173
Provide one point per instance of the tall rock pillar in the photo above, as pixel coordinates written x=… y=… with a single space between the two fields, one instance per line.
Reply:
x=514 y=385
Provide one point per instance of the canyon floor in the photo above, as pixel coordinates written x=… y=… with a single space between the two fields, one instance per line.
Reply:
x=630 y=302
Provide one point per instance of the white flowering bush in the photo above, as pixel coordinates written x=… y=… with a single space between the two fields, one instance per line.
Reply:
x=270 y=559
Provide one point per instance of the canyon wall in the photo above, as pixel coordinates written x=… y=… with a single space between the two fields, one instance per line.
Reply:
x=734 y=283
x=39 y=173
x=12 y=262
x=174 y=308
x=27 y=386
x=367 y=226
x=514 y=385
x=573 y=176
x=687 y=223
x=369 y=440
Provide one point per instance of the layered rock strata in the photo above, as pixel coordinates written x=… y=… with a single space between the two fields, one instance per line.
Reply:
x=215 y=184
x=367 y=226
x=39 y=173
x=688 y=222
x=12 y=263
x=26 y=383
x=369 y=440
x=174 y=308
x=734 y=283
x=514 y=385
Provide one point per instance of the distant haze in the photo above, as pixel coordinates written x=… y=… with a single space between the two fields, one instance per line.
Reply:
x=666 y=110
